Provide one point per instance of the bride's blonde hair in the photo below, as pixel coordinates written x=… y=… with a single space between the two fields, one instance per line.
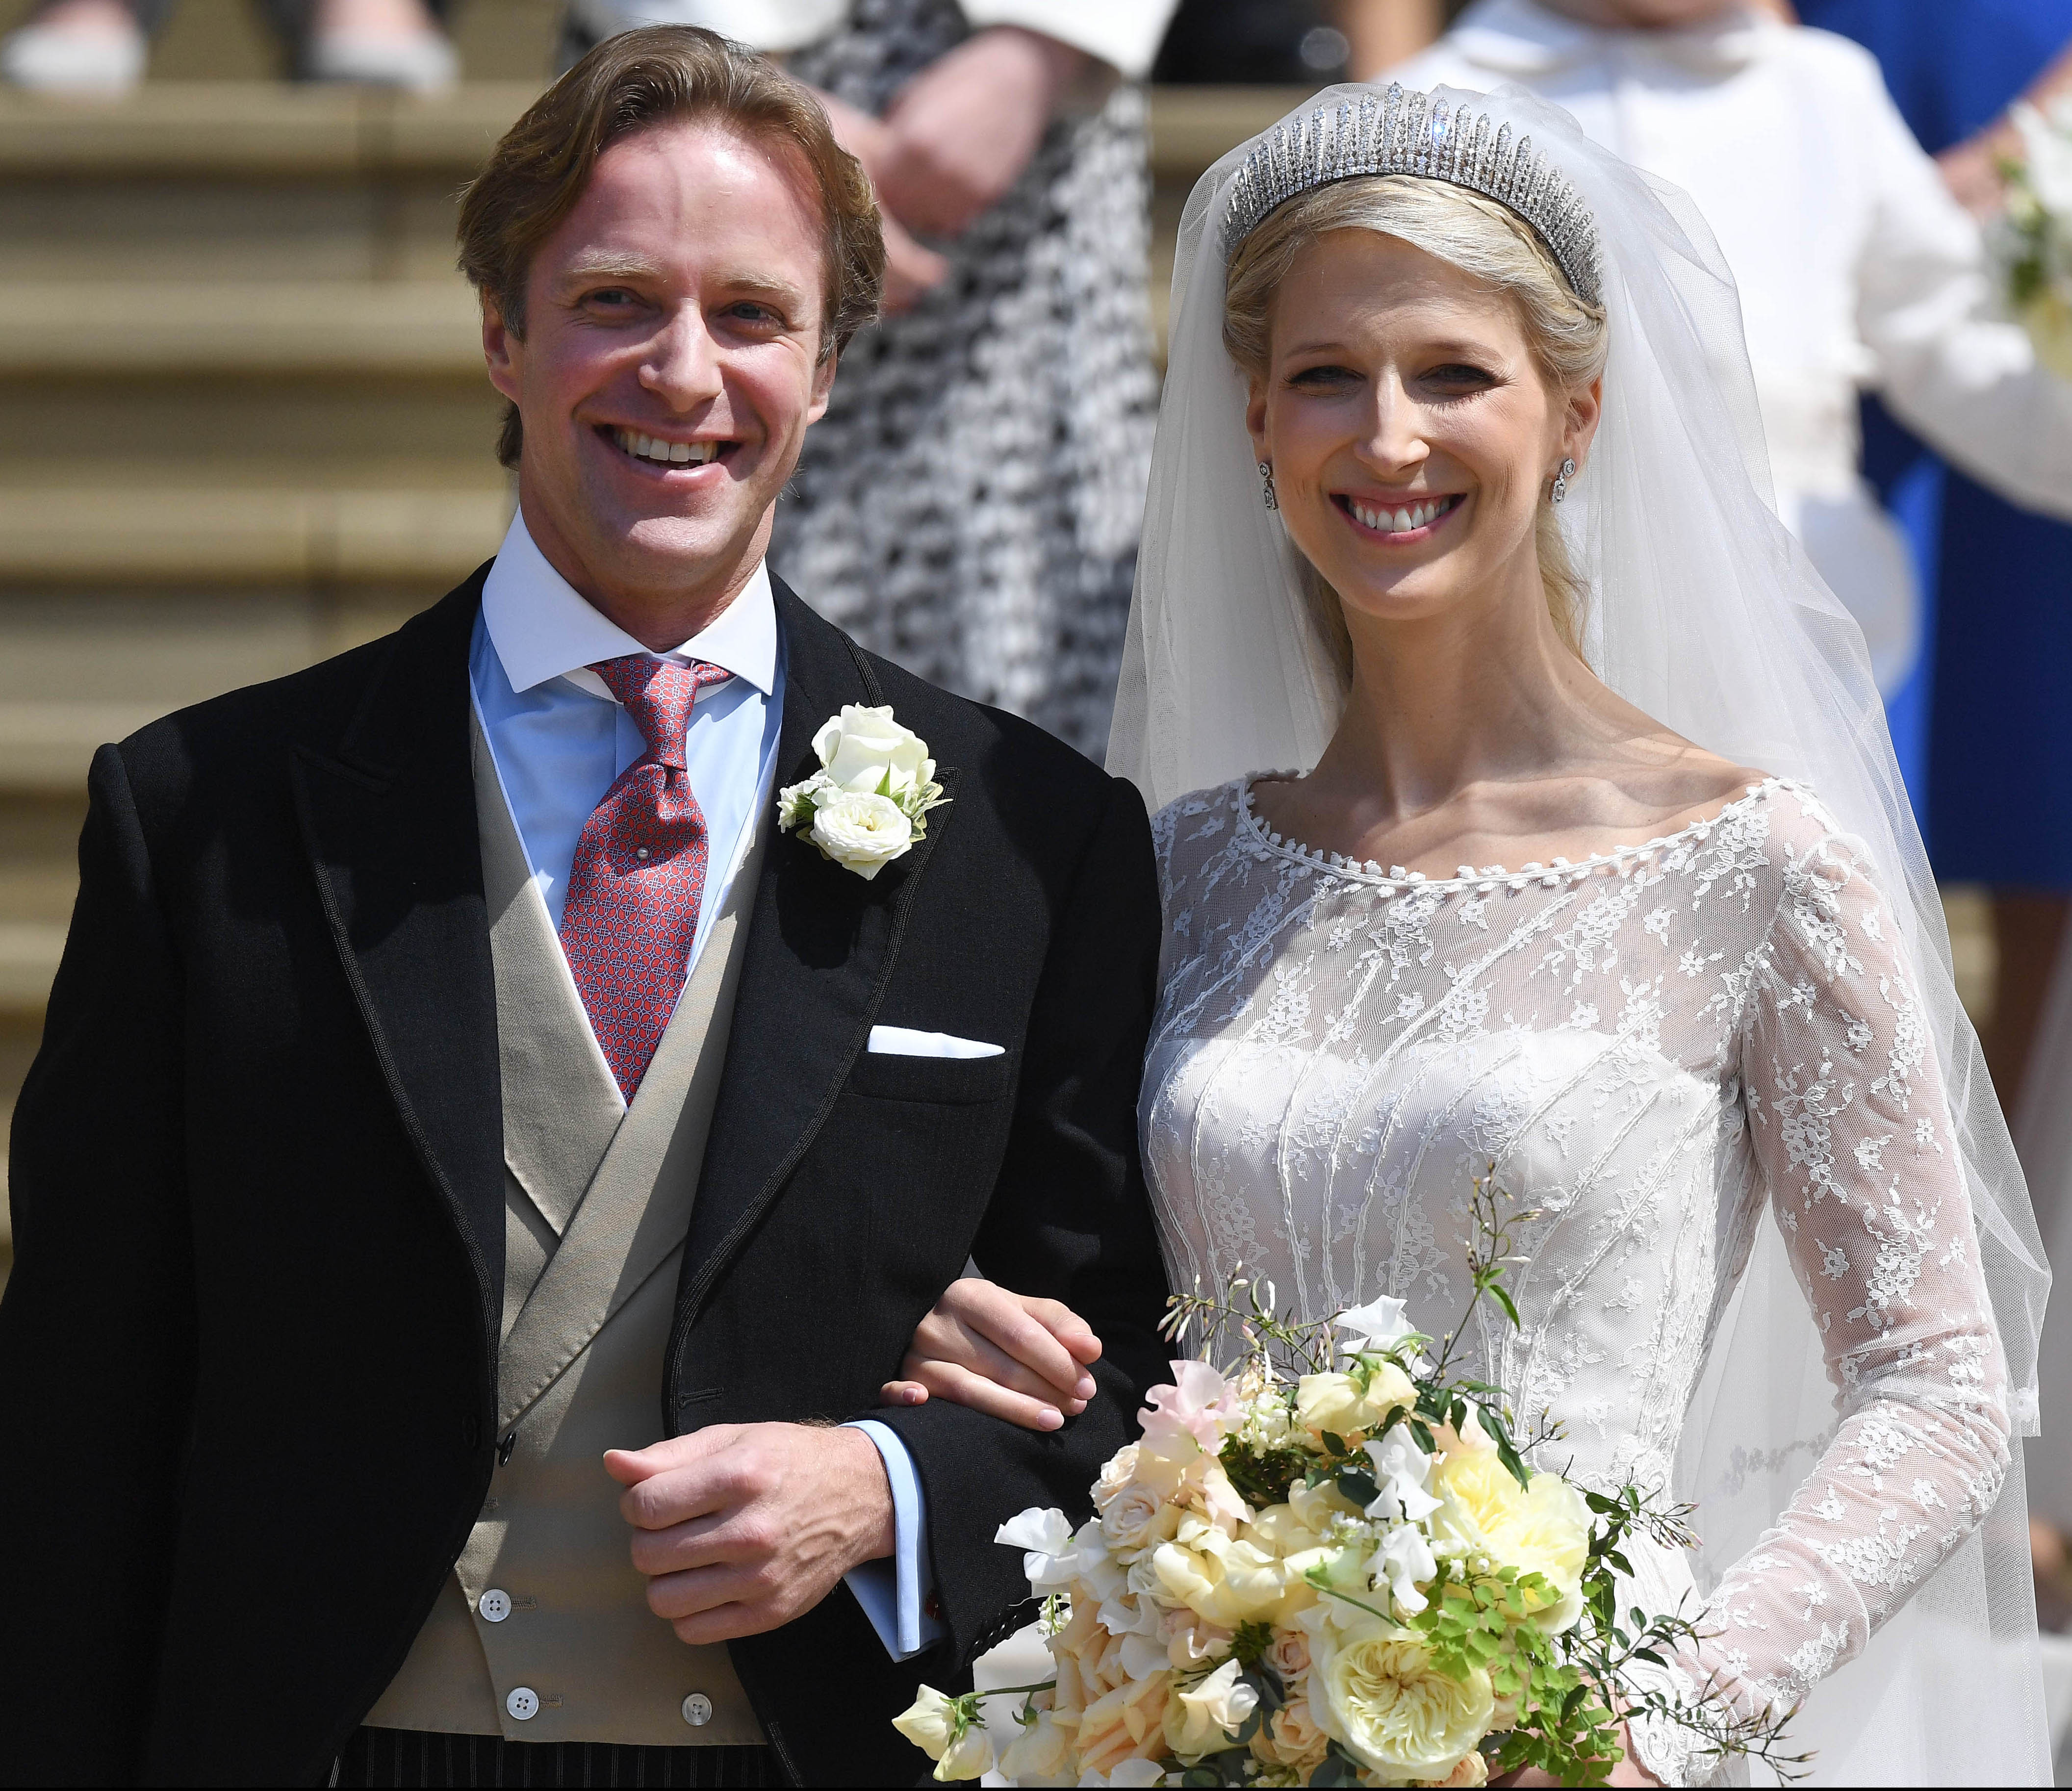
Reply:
x=1567 y=334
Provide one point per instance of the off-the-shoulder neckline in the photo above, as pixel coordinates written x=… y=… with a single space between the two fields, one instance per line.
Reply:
x=1618 y=859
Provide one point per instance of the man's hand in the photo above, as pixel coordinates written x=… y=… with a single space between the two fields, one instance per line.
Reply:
x=742 y=1527
x=964 y=129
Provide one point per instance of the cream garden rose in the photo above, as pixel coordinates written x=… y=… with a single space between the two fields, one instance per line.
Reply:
x=864 y=750
x=1374 y=1687
x=868 y=804
x=1544 y=1528
x=863 y=833
x=1339 y=1403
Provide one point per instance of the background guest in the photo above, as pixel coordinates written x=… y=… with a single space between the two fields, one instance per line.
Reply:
x=99 y=47
x=1996 y=581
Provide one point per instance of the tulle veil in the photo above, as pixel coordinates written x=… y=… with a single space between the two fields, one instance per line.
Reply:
x=1705 y=613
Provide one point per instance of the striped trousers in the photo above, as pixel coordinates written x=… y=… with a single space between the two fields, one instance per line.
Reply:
x=413 y=1757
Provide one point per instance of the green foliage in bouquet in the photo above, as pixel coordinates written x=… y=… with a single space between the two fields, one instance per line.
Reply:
x=1333 y=1564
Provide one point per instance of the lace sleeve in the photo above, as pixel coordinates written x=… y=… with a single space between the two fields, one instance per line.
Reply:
x=1850 y=1128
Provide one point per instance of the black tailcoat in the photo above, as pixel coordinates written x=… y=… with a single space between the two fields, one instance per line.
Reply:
x=247 y=1353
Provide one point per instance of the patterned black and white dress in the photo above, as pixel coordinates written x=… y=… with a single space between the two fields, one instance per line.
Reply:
x=970 y=504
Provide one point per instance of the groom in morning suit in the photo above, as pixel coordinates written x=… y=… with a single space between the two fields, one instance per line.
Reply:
x=455 y=1074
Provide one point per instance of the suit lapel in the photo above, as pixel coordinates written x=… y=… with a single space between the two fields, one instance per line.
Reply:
x=820 y=947
x=389 y=819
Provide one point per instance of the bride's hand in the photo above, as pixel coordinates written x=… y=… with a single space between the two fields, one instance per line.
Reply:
x=1005 y=1354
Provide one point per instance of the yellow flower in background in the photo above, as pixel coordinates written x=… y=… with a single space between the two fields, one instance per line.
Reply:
x=1374 y=1687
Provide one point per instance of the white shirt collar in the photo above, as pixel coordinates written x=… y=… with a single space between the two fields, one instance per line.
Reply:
x=542 y=629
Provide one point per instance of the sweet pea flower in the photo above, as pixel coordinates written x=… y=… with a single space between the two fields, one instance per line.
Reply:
x=1403 y=1559
x=1379 y=1324
x=1047 y=1539
x=1211 y=1713
x=939 y=1728
x=1401 y=1468
x=1199 y=1403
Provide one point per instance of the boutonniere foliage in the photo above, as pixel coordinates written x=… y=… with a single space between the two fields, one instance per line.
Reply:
x=868 y=802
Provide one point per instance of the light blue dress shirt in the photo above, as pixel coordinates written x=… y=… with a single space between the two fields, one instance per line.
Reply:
x=560 y=739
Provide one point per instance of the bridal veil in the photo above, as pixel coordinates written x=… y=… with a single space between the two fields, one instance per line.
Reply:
x=1705 y=613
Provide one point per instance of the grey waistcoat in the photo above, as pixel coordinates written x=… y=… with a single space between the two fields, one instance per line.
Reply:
x=543 y=1632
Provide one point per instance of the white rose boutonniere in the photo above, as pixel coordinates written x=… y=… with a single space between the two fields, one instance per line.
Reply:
x=868 y=804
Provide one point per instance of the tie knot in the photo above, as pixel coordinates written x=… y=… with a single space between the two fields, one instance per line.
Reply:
x=659 y=696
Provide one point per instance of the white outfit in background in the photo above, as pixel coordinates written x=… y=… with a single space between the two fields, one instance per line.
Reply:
x=1855 y=267
x=1123 y=34
x=1786 y=1264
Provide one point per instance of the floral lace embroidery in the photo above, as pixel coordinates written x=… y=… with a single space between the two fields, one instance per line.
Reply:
x=1648 y=1046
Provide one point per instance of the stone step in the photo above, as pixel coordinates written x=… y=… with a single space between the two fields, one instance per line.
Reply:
x=242 y=130
x=198 y=330
x=125 y=535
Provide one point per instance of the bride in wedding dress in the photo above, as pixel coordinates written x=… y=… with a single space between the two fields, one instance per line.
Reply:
x=1526 y=804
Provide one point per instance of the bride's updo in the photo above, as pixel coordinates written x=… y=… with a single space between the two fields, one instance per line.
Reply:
x=1567 y=334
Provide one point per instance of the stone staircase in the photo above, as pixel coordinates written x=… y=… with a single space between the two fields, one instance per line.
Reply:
x=243 y=419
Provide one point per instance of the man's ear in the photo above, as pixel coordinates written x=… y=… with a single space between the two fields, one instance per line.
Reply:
x=502 y=347
x=824 y=386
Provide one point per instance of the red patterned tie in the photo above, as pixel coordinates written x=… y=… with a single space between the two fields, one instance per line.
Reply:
x=639 y=871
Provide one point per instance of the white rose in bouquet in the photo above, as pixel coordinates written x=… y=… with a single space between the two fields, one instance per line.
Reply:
x=1375 y=1689
x=1353 y=1574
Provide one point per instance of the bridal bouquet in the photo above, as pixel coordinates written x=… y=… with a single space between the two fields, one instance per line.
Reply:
x=1345 y=1574
x=2031 y=240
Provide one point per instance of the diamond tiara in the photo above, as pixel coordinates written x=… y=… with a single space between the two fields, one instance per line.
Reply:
x=1412 y=134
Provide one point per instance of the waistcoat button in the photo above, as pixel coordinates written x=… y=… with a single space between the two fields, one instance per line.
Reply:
x=496 y=1605
x=697 y=1710
x=523 y=1703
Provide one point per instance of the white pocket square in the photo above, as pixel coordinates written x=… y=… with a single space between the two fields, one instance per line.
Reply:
x=903 y=1041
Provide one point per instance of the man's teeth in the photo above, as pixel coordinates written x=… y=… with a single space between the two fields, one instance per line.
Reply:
x=1400 y=521
x=668 y=453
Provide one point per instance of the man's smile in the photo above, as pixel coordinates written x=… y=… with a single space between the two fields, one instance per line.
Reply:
x=655 y=450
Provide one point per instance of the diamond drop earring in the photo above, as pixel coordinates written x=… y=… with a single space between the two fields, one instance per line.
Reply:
x=1561 y=480
x=1266 y=478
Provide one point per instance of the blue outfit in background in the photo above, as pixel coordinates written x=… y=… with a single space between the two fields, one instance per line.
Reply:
x=1995 y=582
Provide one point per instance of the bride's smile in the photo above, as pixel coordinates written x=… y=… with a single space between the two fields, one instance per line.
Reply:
x=1400 y=519
x=1411 y=431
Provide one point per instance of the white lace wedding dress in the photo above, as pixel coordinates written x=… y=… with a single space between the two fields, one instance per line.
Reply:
x=1648 y=1047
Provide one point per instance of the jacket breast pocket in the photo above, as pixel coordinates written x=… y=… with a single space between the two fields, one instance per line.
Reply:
x=953 y=1081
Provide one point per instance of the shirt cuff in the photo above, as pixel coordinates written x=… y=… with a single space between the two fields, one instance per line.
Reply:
x=1126 y=36
x=896 y=1594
